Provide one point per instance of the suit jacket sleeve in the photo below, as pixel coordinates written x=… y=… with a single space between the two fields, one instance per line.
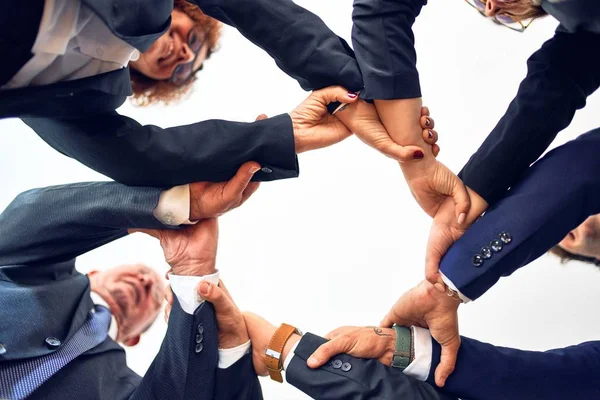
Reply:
x=238 y=382
x=299 y=41
x=384 y=44
x=560 y=77
x=366 y=379
x=146 y=155
x=59 y=223
x=556 y=195
x=484 y=371
x=186 y=364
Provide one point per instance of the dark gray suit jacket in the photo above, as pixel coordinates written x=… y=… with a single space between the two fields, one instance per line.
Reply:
x=78 y=118
x=42 y=295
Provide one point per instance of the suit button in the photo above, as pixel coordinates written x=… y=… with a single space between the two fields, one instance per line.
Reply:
x=199 y=338
x=496 y=245
x=266 y=170
x=337 y=364
x=2 y=349
x=486 y=253
x=199 y=347
x=200 y=328
x=346 y=367
x=477 y=260
x=52 y=342
x=505 y=237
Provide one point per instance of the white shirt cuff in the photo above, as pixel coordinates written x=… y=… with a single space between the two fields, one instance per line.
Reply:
x=185 y=288
x=451 y=285
x=174 y=206
x=291 y=355
x=421 y=365
x=228 y=357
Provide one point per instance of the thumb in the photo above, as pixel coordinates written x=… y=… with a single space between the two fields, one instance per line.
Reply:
x=402 y=153
x=447 y=362
x=462 y=200
x=262 y=117
x=216 y=296
x=236 y=185
x=437 y=245
x=326 y=351
x=332 y=94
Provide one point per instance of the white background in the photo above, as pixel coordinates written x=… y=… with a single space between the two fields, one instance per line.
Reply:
x=340 y=244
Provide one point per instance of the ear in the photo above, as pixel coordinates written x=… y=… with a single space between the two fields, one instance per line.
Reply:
x=132 y=341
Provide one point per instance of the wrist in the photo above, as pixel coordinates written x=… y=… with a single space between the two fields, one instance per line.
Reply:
x=231 y=341
x=194 y=268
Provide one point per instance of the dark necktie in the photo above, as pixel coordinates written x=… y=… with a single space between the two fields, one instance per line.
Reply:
x=19 y=378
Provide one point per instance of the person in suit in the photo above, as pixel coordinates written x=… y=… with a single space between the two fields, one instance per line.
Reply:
x=74 y=110
x=57 y=340
x=561 y=74
x=556 y=196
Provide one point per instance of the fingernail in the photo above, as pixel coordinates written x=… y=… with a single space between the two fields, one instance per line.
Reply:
x=430 y=134
x=352 y=95
x=312 y=361
x=418 y=155
x=461 y=218
x=427 y=122
x=440 y=287
x=204 y=288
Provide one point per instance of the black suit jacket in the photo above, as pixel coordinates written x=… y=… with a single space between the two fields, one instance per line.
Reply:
x=78 y=118
x=42 y=295
x=560 y=77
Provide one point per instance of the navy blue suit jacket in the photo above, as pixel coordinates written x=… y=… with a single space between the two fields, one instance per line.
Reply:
x=78 y=118
x=42 y=295
x=560 y=77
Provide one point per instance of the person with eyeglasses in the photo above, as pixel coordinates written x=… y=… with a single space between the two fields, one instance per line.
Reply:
x=69 y=64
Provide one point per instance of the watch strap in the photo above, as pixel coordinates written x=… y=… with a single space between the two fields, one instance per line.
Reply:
x=273 y=360
x=403 y=347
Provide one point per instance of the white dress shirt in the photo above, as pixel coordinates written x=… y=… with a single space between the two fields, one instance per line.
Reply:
x=72 y=43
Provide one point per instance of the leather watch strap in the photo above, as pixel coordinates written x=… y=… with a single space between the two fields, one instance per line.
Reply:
x=273 y=360
x=403 y=345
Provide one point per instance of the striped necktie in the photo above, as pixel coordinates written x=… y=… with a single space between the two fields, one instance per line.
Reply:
x=19 y=378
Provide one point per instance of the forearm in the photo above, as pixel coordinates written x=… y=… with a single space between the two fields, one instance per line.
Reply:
x=298 y=40
x=560 y=77
x=61 y=222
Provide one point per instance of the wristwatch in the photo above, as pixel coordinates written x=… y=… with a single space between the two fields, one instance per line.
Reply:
x=273 y=360
x=404 y=349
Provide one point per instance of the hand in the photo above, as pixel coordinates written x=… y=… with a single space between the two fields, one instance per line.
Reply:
x=445 y=230
x=230 y=321
x=361 y=342
x=362 y=119
x=191 y=250
x=314 y=127
x=427 y=307
x=211 y=200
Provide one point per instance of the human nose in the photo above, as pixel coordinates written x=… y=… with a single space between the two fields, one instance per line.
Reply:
x=491 y=8
x=186 y=54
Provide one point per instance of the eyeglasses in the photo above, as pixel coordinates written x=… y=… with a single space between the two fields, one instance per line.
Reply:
x=182 y=72
x=501 y=19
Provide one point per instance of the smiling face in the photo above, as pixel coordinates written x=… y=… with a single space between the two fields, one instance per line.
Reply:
x=585 y=239
x=134 y=294
x=173 y=49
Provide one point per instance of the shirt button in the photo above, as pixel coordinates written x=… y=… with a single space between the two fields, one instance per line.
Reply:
x=346 y=367
x=200 y=328
x=52 y=342
x=477 y=260
x=505 y=237
x=266 y=170
x=199 y=338
x=2 y=349
x=486 y=252
x=99 y=52
x=199 y=347
x=496 y=245
x=169 y=219
x=337 y=364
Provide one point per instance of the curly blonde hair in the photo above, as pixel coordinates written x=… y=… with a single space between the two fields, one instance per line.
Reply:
x=147 y=91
